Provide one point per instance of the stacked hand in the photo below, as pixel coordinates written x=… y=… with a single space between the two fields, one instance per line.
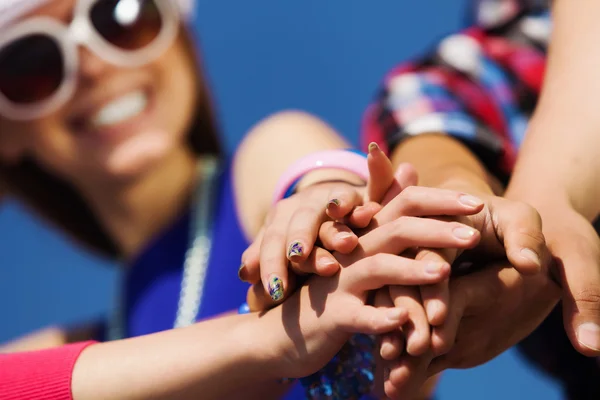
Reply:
x=388 y=216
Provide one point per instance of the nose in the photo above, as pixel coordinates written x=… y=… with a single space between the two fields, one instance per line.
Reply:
x=91 y=67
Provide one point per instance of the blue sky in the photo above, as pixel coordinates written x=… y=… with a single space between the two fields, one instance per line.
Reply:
x=326 y=57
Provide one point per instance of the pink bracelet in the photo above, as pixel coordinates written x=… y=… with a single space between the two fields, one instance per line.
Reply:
x=347 y=160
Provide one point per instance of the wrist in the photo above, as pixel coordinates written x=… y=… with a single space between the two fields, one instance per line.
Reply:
x=459 y=178
x=328 y=177
x=260 y=337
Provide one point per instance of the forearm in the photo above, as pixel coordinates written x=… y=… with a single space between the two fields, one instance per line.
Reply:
x=443 y=162
x=211 y=360
x=560 y=157
x=268 y=150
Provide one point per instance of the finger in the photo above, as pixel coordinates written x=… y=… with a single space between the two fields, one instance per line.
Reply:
x=319 y=262
x=408 y=376
x=416 y=330
x=380 y=270
x=273 y=261
x=391 y=343
x=469 y=295
x=436 y=297
x=422 y=201
x=405 y=232
x=336 y=236
x=579 y=266
x=341 y=201
x=249 y=270
x=370 y=320
x=259 y=300
x=381 y=174
x=303 y=229
x=521 y=232
x=362 y=216
x=405 y=176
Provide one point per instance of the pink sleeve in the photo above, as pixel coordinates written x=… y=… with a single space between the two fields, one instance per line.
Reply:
x=41 y=375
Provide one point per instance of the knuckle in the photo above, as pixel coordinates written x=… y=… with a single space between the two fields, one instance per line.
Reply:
x=529 y=212
x=589 y=299
x=274 y=236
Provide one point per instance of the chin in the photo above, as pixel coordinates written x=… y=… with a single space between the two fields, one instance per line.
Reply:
x=138 y=156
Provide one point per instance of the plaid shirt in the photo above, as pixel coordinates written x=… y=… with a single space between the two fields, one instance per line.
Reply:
x=479 y=85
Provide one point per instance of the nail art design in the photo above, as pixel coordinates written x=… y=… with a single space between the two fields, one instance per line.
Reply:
x=334 y=202
x=296 y=249
x=275 y=288
x=373 y=147
x=242 y=272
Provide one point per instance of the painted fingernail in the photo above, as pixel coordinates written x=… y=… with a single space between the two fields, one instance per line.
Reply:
x=275 y=288
x=295 y=250
x=470 y=201
x=588 y=335
x=394 y=314
x=333 y=203
x=531 y=256
x=434 y=268
x=464 y=233
x=242 y=272
x=373 y=147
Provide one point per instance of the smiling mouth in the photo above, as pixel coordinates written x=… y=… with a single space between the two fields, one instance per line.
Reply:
x=120 y=110
x=114 y=114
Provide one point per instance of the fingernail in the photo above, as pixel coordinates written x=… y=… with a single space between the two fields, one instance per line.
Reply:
x=588 y=335
x=432 y=309
x=386 y=348
x=464 y=233
x=295 y=250
x=326 y=262
x=531 y=256
x=373 y=147
x=275 y=288
x=394 y=314
x=333 y=203
x=434 y=268
x=343 y=235
x=242 y=272
x=470 y=201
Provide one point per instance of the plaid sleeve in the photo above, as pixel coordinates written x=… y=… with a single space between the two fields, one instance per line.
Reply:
x=478 y=86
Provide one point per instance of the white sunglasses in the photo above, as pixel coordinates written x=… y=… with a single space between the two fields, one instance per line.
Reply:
x=39 y=58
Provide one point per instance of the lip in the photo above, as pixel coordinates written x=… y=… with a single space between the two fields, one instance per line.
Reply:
x=80 y=121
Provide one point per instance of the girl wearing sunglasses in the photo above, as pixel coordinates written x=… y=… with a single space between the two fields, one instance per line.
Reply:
x=106 y=130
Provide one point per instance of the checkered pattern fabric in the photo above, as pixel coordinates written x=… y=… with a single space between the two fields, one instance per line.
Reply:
x=479 y=85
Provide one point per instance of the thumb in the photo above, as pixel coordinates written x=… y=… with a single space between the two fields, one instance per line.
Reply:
x=579 y=269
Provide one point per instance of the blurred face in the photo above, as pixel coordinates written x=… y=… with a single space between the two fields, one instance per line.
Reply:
x=109 y=119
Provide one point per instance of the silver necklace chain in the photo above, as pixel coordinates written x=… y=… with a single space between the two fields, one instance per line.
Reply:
x=196 y=258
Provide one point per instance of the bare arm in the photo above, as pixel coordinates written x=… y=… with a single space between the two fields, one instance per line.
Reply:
x=183 y=363
x=268 y=150
x=560 y=157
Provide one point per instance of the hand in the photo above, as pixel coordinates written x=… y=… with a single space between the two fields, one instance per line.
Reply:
x=508 y=228
x=399 y=235
x=322 y=211
x=492 y=309
x=575 y=244
x=337 y=305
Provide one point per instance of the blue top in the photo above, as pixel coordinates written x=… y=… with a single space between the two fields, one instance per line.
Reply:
x=153 y=282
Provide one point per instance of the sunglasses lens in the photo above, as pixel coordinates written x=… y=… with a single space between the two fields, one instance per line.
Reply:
x=127 y=24
x=31 y=69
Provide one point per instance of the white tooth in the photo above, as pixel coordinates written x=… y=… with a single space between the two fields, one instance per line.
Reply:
x=121 y=109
